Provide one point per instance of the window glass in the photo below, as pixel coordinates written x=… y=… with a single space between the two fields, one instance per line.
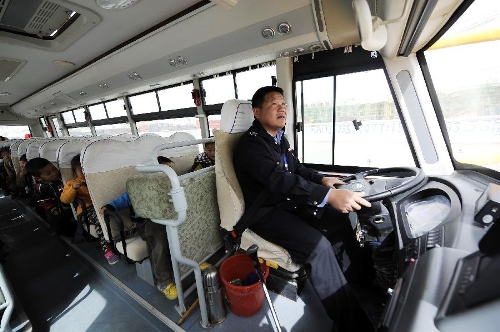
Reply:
x=218 y=89
x=12 y=132
x=43 y=122
x=467 y=82
x=113 y=129
x=68 y=117
x=318 y=120
x=176 y=98
x=144 y=103
x=79 y=115
x=80 y=131
x=57 y=127
x=213 y=123
x=380 y=131
x=116 y=108
x=167 y=127
x=249 y=81
x=97 y=112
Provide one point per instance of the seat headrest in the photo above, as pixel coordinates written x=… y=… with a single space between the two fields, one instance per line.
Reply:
x=236 y=116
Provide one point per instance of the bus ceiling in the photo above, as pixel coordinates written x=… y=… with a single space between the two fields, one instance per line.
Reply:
x=113 y=67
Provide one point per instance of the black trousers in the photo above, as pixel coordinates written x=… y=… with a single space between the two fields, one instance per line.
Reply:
x=155 y=236
x=314 y=242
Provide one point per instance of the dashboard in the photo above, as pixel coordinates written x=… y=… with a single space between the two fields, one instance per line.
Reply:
x=438 y=259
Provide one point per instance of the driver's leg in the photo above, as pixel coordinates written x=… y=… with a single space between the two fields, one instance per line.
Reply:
x=309 y=247
x=337 y=227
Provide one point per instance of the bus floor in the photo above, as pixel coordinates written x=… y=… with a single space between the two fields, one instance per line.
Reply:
x=71 y=287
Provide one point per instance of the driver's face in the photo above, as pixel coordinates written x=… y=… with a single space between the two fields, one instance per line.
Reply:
x=272 y=114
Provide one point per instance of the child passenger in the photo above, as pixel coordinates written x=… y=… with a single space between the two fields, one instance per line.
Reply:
x=206 y=158
x=21 y=188
x=156 y=238
x=77 y=188
x=47 y=191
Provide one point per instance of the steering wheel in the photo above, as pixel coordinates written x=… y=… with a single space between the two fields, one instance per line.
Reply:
x=357 y=182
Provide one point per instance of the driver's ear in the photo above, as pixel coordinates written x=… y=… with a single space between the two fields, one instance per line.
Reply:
x=256 y=112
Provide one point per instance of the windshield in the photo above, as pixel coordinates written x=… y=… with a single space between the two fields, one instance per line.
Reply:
x=465 y=71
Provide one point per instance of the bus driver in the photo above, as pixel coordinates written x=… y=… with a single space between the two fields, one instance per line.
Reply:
x=301 y=212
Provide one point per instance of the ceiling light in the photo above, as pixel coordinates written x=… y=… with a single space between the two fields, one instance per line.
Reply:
x=315 y=48
x=52 y=103
x=134 y=76
x=199 y=74
x=284 y=28
x=104 y=86
x=298 y=51
x=115 y=4
x=4 y=94
x=63 y=63
x=82 y=93
x=268 y=32
x=180 y=61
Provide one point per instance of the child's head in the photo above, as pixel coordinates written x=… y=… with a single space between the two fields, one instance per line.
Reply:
x=23 y=161
x=42 y=169
x=5 y=153
x=165 y=161
x=76 y=167
x=210 y=150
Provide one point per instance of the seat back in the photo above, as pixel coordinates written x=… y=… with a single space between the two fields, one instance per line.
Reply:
x=33 y=148
x=13 y=153
x=108 y=164
x=48 y=150
x=187 y=206
x=237 y=117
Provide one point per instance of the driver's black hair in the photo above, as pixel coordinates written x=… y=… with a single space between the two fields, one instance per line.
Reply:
x=260 y=95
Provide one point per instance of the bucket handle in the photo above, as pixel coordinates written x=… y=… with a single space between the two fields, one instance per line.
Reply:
x=225 y=295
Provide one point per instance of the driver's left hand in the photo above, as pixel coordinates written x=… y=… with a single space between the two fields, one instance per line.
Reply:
x=331 y=181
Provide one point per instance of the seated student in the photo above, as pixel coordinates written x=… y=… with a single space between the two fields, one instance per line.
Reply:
x=77 y=188
x=206 y=158
x=9 y=174
x=156 y=238
x=21 y=188
x=47 y=190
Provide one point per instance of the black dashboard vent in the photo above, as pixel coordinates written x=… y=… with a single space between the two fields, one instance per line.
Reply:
x=435 y=238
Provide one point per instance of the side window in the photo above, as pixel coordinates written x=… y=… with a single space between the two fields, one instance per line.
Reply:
x=463 y=65
x=332 y=107
x=167 y=127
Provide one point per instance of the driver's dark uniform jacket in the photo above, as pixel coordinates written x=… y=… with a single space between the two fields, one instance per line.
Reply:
x=289 y=217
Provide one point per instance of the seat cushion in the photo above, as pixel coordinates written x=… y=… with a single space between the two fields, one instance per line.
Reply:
x=269 y=251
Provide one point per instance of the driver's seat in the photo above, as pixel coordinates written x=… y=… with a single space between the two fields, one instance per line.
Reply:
x=236 y=118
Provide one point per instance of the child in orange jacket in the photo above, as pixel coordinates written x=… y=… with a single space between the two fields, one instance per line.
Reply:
x=77 y=188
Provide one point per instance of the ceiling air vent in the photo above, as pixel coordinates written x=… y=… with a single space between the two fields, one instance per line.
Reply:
x=43 y=23
x=9 y=67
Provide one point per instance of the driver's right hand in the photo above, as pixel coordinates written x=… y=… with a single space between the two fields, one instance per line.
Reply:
x=347 y=201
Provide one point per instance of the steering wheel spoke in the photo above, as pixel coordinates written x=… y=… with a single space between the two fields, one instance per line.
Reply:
x=357 y=182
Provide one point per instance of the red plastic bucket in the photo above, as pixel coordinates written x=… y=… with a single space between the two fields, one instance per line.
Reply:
x=244 y=301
